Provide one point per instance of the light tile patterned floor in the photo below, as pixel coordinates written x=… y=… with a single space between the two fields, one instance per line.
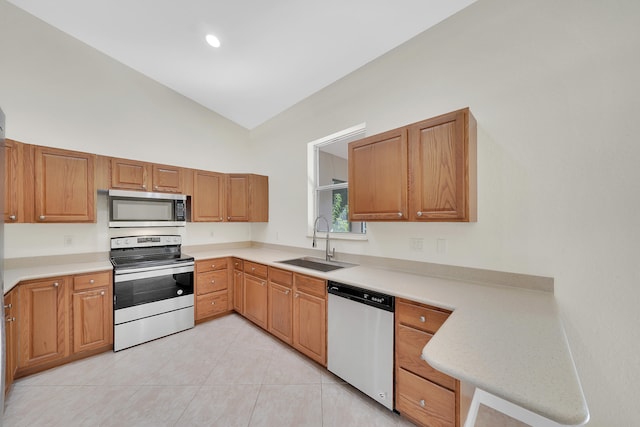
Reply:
x=226 y=372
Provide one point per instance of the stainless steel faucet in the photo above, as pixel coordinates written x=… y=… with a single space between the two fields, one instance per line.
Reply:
x=328 y=253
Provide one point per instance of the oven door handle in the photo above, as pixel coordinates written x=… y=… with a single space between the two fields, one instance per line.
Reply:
x=145 y=273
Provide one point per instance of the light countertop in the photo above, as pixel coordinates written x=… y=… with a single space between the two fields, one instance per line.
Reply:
x=507 y=341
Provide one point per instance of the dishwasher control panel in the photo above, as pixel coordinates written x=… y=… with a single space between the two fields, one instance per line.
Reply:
x=364 y=296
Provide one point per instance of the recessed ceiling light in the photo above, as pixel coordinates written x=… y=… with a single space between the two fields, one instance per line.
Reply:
x=213 y=40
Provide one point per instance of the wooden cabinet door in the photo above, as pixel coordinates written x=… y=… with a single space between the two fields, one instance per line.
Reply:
x=13 y=184
x=238 y=291
x=255 y=300
x=92 y=314
x=378 y=177
x=11 y=337
x=258 y=198
x=310 y=326
x=130 y=174
x=237 y=197
x=208 y=201
x=64 y=186
x=280 y=312
x=44 y=321
x=442 y=168
x=168 y=179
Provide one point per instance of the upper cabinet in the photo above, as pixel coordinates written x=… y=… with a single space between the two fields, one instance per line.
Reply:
x=64 y=188
x=14 y=181
x=247 y=198
x=208 y=200
x=135 y=175
x=422 y=172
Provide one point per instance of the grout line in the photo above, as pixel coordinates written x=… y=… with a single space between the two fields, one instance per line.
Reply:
x=253 y=408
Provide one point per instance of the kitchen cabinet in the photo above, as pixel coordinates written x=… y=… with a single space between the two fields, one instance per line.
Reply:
x=255 y=293
x=425 y=171
x=423 y=394
x=211 y=287
x=64 y=185
x=247 y=198
x=129 y=174
x=11 y=338
x=92 y=311
x=14 y=181
x=378 y=177
x=280 y=304
x=44 y=321
x=208 y=200
x=310 y=317
x=238 y=285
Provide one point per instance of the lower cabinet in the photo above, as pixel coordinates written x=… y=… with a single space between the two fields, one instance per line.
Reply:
x=211 y=288
x=310 y=317
x=255 y=293
x=92 y=311
x=238 y=285
x=58 y=319
x=43 y=316
x=280 y=304
x=11 y=337
x=423 y=394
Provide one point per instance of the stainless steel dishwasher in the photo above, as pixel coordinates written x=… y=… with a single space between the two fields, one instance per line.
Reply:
x=360 y=339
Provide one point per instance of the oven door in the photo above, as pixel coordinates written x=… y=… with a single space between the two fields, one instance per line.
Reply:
x=143 y=287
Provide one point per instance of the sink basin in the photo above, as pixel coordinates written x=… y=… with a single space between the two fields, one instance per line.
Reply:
x=317 y=264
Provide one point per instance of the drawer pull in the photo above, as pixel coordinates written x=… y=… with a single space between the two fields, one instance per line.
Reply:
x=423 y=319
x=12 y=217
x=213 y=282
x=92 y=281
x=419 y=213
x=7 y=306
x=213 y=303
x=213 y=266
x=56 y=284
x=42 y=217
x=11 y=319
x=286 y=292
x=102 y=293
x=253 y=269
x=262 y=283
x=422 y=403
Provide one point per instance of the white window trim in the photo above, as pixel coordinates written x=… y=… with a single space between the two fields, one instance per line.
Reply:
x=312 y=178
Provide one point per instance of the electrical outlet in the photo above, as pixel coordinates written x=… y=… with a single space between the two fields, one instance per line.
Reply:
x=416 y=243
x=68 y=240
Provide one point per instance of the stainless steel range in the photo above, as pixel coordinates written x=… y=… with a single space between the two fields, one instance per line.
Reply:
x=152 y=289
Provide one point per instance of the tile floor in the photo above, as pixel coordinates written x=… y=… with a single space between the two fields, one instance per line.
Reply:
x=226 y=372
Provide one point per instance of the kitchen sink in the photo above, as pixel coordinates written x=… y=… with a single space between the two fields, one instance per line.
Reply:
x=317 y=264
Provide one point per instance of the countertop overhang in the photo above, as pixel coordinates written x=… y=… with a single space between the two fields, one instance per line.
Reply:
x=507 y=341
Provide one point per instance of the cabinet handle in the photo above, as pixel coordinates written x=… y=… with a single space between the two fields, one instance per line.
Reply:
x=56 y=284
x=42 y=217
x=155 y=187
x=262 y=283
x=213 y=266
x=102 y=293
x=213 y=303
x=286 y=292
x=213 y=281
x=419 y=213
x=144 y=186
x=422 y=403
x=12 y=217
x=423 y=319
x=10 y=319
x=220 y=218
x=92 y=281
x=228 y=218
x=297 y=295
x=399 y=214
x=253 y=269
x=7 y=306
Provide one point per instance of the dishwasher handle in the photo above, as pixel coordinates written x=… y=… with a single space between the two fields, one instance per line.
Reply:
x=363 y=296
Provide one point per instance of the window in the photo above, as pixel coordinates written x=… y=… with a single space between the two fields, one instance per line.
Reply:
x=328 y=186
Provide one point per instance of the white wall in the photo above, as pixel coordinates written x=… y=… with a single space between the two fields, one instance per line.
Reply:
x=555 y=89
x=58 y=92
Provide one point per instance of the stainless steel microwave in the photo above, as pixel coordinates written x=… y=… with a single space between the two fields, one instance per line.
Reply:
x=140 y=209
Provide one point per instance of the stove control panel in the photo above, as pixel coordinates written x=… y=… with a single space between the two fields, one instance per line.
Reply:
x=144 y=241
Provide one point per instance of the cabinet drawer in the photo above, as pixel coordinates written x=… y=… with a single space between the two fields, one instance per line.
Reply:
x=420 y=317
x=311 y=285
x=409 y=345
x=211 y=264
x=210 y=304
x=211 y=281
x=281 y=277
x=91 y=280
x=424 y=401
x=258 y=270
x=238 y=264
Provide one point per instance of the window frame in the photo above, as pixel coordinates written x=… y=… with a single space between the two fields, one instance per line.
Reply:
x=313 y=178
